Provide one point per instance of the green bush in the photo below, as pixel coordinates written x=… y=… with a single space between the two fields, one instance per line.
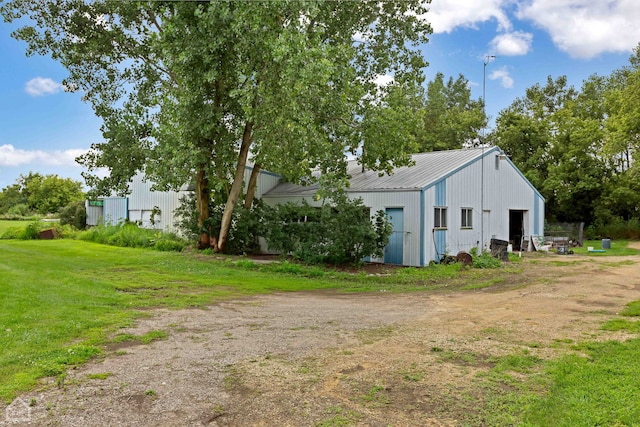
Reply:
x=74 y=214
x=19 y=211
x=484 y=260
x=614 y=228
x=246 y=224
x=338 y=233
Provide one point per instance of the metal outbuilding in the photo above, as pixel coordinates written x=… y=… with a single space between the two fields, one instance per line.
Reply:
x=156 y=209
x=448 y=201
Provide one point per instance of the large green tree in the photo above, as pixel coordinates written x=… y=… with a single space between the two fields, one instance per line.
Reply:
x=193 y=90
x=452 y=119
x=555 y=136
x=41 y=193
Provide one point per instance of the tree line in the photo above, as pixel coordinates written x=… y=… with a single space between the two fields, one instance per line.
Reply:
x=35 y=193
x=579 y=146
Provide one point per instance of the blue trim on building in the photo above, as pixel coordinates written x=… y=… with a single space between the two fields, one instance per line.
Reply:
x=423 y=220
x=440 y=236
x=441 y=192
x=264 y=172
x=536 y=215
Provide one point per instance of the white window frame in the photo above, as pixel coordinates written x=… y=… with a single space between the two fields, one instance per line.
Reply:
x=440 y=217
x=466 y=218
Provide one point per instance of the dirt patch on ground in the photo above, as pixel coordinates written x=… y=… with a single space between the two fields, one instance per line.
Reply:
x=309 y=359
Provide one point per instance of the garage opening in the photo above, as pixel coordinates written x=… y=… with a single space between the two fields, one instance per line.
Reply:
x=516 y=228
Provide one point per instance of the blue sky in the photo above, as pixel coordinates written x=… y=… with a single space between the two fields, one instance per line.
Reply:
x=43 y=128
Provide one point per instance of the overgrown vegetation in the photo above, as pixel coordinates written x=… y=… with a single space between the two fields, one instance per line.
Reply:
x=615 y=228
x=340 y=232
x=247 y=225
x=75 y=215
x=130 y=235
x=30 y=230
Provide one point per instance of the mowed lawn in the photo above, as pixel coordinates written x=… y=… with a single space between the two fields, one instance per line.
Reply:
x=62 y=300
x=54 y=293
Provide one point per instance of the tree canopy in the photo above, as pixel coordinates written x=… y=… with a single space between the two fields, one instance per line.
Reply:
x=39 y=193
x=191 y=91
x=452 y=119
x=579 y=146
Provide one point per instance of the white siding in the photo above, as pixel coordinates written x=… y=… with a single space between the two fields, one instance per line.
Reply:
x=266 y=181
x=503 y=189
x=142 y=202
x=375 y=201
x=115 y=210
x=139 y=205
x=94 y=214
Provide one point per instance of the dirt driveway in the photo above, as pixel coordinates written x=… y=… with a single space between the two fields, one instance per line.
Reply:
x=310 y=359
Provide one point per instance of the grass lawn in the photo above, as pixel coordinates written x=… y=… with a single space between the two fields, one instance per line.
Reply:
x=63 y=299
x=618 y=247
x=53 y=293
x=6 y=224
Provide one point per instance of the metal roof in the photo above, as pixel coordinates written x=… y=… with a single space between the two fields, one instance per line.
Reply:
x=428 y=169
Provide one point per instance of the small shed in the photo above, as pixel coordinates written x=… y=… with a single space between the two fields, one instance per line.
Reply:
x=448 y=201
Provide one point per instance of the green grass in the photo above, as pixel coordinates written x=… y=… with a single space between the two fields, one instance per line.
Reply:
x=63 y=300
x=594 y=384
x=618 y=247
x=598 y=390
x=7 y=225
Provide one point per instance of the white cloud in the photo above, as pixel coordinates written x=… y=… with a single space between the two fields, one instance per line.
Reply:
x=383 y=80
x=446 y=15
x=40 y=86
x=502 y=74
x=586 y=28
x=11 y=156
x=511 y=44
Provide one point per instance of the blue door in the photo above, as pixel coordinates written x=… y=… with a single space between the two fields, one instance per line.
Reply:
x=393 y=251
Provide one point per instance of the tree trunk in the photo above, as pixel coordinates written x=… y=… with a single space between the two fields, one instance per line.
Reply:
x=236 y=188
x=202 y=206
x=251 y=188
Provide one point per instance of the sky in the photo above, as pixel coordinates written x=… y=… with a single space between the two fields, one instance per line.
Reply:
x=43 y=128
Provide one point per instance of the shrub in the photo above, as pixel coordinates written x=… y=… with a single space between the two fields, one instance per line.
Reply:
x=614 y=228
x=484 y=260
x=74 y=214
x=169 y=242
x=246 y=224
x=19 y=211
x=337 y=233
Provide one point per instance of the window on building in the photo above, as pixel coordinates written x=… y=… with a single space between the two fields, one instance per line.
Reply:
x=466 y=220
x=440 y=217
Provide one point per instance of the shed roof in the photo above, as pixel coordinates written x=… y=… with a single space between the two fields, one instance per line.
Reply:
x=427 y=170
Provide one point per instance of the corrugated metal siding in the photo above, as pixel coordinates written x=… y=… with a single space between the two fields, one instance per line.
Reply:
x=115 y=210
x=410 y=202
x=94 y=214
x=142 y=202
x=266 y=181
x=375 y=201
